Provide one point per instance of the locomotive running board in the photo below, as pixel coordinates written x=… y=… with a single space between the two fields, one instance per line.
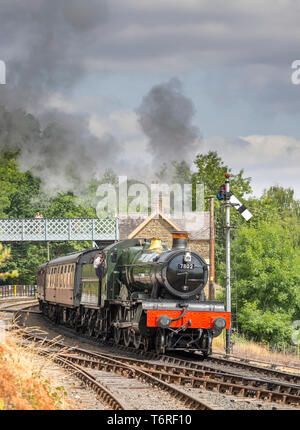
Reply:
x=172 y=305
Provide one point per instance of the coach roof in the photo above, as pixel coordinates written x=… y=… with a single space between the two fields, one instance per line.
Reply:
x=73 y=257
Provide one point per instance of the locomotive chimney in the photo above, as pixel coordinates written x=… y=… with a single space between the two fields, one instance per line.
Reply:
x=180 y=240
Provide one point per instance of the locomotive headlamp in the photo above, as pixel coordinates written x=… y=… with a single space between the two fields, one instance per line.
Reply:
x=187 y=257
x=219 y=323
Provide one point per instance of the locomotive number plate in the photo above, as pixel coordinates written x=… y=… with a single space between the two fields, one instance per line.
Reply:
x=188 y=266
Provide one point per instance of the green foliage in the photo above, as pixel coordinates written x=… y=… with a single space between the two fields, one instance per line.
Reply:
x=16 y=188
x=272 y=327
x=21 y=197
x=265 y=254
x=6 y=272
x=211 y=173
x=266 y=267
x=265 y=263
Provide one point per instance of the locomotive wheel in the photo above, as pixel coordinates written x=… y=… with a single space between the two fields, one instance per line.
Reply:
x=104 y=335
x=146 y=342
x=97 y=330
x=77 y=320
x=127 y=337
x=117 y=335
x=91 y=324
x=160 y=346
x=208 y=345
x=137 y=340
x=83 y=322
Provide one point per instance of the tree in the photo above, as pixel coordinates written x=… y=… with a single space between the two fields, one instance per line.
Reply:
x=211 y=173
x=4 y=256
x=21 y=197
x=271 y=327
x=267 y=280
x=282 y=199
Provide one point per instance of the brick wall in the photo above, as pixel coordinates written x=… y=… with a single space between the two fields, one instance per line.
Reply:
x=161 y=229
x=158 y=228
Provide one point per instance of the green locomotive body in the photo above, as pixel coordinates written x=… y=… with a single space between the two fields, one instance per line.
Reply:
x=150 y=295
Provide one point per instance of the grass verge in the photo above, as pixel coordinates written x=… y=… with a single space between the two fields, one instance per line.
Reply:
x=22 y=385
x=256 y=351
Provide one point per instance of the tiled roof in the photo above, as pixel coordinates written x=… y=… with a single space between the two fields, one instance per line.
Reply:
x=195 y=223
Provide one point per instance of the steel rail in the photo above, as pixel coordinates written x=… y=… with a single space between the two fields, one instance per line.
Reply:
x=266 y=372
x=122 y=369
x=214 y=381
x=26 y=303
x=115 y=366
x=237 y=385
x=285 y=376
x=101 y=391
x=292 y=378
x=249 y=360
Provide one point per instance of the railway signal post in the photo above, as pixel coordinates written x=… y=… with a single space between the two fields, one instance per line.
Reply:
x=228 y=285
x=225 y=194
x=211 y=250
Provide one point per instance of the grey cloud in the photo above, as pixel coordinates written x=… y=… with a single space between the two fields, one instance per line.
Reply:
x=50 y=46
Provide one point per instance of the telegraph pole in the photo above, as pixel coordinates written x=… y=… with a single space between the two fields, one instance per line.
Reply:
x=228 y=285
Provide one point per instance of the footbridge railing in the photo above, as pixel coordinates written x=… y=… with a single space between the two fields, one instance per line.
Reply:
x=53 y=229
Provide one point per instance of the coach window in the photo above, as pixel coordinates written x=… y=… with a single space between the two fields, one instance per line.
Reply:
x=72 y=274
x=58 y=276
x=66 y=276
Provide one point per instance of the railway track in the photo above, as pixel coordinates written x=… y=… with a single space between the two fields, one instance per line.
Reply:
x=284 y=391
x=272 y=391
x=255 y=368
x=102 y=362
x=191 y=375
x=84 y=373
x=266 y=364
x=195 y=361
x=102 y=392
x=16 y=303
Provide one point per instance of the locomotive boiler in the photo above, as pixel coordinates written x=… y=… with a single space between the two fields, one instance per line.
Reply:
x=150 y=296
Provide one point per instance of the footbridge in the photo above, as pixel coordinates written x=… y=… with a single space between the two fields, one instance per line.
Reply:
x=53 y=229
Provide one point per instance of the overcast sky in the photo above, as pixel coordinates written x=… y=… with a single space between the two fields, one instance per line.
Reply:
x=225 y=68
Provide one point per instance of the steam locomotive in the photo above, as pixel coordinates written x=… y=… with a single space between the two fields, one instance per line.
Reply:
x=151 y=296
